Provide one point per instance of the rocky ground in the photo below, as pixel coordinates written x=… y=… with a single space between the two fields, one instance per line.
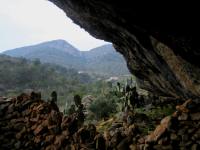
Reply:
x=27 y=122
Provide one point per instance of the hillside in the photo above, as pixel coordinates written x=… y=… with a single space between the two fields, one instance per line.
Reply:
x=101 y=60
x=19 y=75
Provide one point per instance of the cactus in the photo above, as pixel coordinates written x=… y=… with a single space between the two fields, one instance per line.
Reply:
x=77 y=100
x=72 y=110
x=119 y=86
x=54 y=96
x=79 y=112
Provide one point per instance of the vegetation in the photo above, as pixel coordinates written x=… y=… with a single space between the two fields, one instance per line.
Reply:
x=157 y=113
x=19 y=75
x=111 y=100
x=104 y=106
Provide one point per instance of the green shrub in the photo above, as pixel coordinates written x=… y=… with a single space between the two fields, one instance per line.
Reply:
x=103 y=107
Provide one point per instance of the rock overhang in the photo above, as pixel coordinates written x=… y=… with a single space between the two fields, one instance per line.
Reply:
x=159 y=41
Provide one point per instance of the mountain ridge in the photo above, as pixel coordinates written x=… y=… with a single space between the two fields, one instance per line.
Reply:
x=102 y=60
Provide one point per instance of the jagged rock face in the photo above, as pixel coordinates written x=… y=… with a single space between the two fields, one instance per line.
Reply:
x=159 y=42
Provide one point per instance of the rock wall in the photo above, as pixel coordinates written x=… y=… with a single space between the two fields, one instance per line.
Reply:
x=29 y=123
x=159 y=41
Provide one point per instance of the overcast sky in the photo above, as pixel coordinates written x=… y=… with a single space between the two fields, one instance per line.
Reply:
x=27 y=22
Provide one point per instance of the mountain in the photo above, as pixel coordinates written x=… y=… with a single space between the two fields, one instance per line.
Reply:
x=101 y=60
x=105 y=59
x=57 y=52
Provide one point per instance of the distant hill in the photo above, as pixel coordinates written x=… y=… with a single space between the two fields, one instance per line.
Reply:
x=105 y=59
x=101 y=60
x=57 y=52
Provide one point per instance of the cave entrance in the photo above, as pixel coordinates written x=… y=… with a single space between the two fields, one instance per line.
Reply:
x=89 y=84
x=43 y=50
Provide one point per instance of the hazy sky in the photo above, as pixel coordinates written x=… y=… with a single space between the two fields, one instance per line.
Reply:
x=27 y=22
